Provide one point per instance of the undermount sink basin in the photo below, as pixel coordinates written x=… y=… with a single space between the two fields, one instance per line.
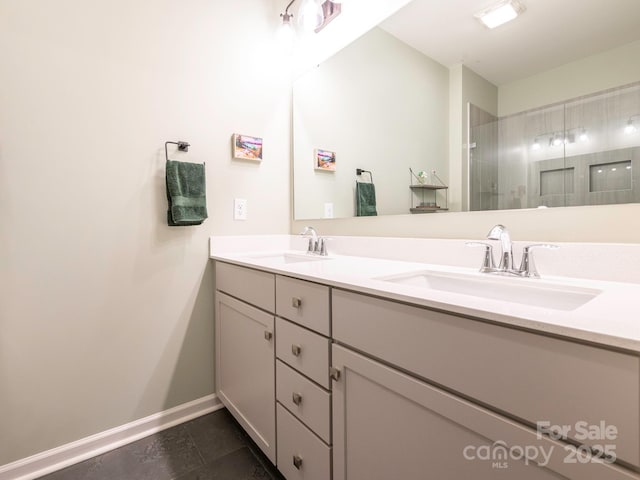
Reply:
x=516 y=290
x=286 y=258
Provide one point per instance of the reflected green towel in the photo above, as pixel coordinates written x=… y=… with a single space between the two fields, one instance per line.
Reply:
x=186 y=193
x=365 y=200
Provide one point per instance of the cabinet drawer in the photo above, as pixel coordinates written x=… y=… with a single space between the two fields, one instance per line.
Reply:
x=307 y=401
x=530 y=376
x=303 y=350
x=252 y=286
x=301 y=455
x=303 y=302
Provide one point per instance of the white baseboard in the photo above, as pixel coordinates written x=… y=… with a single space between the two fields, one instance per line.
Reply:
x=60 y=457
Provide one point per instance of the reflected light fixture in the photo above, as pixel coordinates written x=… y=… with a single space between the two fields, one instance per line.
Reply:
x=584 y=136
x=500 y=13
x=536 y=144
x=630 y=127
x=558 y=138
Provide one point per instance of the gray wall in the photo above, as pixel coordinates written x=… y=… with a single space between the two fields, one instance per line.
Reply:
x=106 y=314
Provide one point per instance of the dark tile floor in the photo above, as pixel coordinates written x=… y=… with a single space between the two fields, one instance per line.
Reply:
x=211 y=447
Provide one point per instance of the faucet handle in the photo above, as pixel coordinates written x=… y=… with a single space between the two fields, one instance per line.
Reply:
x=488 y=263
x=527 y=265
x=311 y=248
x=321 y=248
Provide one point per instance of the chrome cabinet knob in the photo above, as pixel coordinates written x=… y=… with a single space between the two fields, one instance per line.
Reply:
x=296 y=398
x=297 y=461
x=296 y=350
x=268 y=335
x=296 y=302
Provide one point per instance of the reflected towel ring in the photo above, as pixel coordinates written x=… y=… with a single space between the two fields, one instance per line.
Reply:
x=360 y=171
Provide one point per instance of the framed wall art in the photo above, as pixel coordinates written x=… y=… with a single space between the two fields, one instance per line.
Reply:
x=246 y=147
x=325 y=160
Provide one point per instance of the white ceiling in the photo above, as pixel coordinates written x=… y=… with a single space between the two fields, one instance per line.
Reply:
x=548 y=34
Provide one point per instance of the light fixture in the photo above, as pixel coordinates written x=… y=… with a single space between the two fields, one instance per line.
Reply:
x=584 y=136
x=313 y=15
x=556 y=139
x=310 y=14
x=500 y=13
x=630 y=127
x=536 y=144
x=569 y=138
x=286 y=32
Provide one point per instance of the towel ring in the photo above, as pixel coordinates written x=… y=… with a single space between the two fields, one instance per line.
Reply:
x=182 y=147
x=360 y=171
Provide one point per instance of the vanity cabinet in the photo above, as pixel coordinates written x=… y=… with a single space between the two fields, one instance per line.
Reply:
x=359 y=387
x=496 y=384
x=245 y=351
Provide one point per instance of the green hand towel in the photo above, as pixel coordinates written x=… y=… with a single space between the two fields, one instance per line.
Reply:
x=186 y=193
x=365 y=200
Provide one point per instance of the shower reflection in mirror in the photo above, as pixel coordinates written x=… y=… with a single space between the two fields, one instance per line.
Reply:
x=583 y=151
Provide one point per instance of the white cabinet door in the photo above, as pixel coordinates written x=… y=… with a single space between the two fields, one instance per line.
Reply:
x=245 y=368
x=387 y=425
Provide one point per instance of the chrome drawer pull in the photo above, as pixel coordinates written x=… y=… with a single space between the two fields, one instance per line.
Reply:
x=297 y=461
x=334 y=373
x=268 y=335
x=296 y=302
x=296 y=398
x=296 y=350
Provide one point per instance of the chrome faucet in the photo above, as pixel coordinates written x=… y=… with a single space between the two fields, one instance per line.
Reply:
x=506 y=267
x=500 y=232
x=317 y=244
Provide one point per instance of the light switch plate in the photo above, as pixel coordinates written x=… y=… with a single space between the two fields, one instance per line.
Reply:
x=328 y=210
x=239 y=208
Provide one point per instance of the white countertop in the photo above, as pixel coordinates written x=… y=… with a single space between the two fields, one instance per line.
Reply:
x=610 y=319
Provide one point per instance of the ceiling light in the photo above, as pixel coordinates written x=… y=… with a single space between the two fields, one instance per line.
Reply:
x=536 y=144
x=500 y=13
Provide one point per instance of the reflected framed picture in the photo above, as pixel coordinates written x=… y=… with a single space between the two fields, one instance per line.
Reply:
x=247 y=148
x=325 y=160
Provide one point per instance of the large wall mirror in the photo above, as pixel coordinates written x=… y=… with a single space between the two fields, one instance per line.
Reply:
x=542 y=111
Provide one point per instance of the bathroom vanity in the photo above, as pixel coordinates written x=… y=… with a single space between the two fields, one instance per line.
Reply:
x=348 y=367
